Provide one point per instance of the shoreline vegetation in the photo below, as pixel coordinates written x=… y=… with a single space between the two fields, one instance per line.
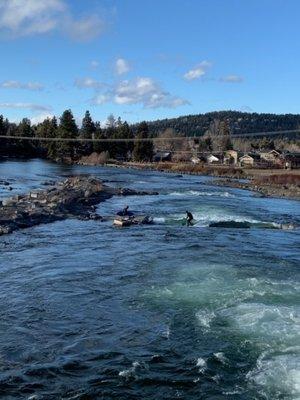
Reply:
x=137 y=146
x=265 y=183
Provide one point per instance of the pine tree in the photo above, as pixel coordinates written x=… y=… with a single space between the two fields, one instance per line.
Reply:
x=25 y=147
x=127 y=133
x=24 y=128
x=3 y=130
x=98 y=147
x=87 y=131
x=2 y=126
x=48 y=129
x=67 y=130
x=143 y=150
x=121 y=149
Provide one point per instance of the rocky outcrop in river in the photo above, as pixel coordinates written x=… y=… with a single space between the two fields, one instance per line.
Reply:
x=74 y=197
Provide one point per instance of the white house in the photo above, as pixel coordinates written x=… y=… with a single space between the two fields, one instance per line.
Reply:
x=195 y=160
x=211 y=159
x=246 y=160
x=272 y=157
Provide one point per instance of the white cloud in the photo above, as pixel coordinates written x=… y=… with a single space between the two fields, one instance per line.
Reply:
x=246 y=109
x=19 y=85
x=198 y=71
x=33 y=17
x=94 y=64
x=84 y=29
x=40 y=118
x=26 y=17
x=29 y=106
x=232 y=79
x=122 y=66
x=101 y=99
x=141 y=90
x=90 y=83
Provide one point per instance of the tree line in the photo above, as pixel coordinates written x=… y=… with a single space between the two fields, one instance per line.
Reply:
x=239 y=123
x=218 y=137
x=66 y=128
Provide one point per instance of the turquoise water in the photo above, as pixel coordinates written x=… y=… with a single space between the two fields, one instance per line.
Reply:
x=89 y=311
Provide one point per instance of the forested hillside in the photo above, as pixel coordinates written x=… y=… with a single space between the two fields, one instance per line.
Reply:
x=239 y=123
x=51 y=138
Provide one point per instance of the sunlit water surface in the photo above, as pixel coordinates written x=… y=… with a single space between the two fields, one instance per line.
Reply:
x=89 y=311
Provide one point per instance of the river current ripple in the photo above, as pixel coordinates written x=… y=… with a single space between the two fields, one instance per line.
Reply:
x=89 y=311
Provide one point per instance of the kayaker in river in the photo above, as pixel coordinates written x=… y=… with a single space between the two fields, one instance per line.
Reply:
x=125 y=212
x=189 y=218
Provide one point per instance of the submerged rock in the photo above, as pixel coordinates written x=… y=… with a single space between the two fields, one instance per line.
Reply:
x=230 y=224
x=4 y=183
x=131 y=192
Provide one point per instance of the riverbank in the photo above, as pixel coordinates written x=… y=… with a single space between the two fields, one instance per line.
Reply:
x=269 y=183
x=74 y=197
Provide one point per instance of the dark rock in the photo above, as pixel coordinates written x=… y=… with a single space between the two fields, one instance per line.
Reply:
x=131 y=192
x=95 y=217
x=75 y=197
x=49 y=183
x=4 y=183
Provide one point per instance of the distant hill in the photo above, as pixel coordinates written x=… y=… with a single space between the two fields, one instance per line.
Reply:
x=239 y=123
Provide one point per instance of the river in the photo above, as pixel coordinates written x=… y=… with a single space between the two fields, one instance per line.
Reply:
x=89 y=311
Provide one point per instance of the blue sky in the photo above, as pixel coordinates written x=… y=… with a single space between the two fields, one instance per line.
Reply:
x=148 y=59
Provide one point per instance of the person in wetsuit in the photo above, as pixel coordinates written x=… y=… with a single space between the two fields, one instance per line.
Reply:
x=125 y=211
x=189 y=218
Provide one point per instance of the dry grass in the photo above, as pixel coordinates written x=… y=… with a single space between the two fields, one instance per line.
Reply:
x=279 y=179
x=259 y=176
x=200 y=169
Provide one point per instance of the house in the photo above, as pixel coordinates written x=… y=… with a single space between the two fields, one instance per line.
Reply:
x=272 y=157
x=195 y=160
x=211 y=159
x=292 y=160
x=162 y=156
x=231 y=157
x=246 y=161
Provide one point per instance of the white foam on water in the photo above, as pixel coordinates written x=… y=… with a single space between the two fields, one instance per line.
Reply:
x=276 y=329
x=216 y=378
x=130 y=373
x=201 y=193
x=279 y=376
x=200 y=362
x=159 y=220
x=209 y=287
x=233 y=392
x=218 y=291
x=205 y=317
x=220 y=356
x=266 y=322
x=206 y=215
x=166 y=333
